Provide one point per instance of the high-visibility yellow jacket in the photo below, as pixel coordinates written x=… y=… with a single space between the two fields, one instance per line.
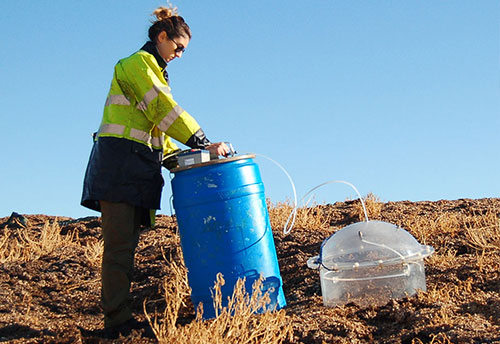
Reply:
x=139 y=118
x=140 y=106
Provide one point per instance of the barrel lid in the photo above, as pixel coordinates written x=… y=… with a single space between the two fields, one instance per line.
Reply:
x=214 y=162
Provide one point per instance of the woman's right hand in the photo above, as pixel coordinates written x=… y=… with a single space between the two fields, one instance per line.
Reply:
x=218 y=148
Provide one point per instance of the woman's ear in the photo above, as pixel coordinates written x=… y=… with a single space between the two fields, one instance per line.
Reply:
x=162 y=36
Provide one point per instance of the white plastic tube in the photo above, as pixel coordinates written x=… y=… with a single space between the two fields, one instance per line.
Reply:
x=294 y=212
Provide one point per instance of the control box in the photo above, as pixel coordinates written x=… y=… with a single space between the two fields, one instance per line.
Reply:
x=193 y=157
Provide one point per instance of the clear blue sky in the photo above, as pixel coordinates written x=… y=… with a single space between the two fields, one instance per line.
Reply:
x=400 y=98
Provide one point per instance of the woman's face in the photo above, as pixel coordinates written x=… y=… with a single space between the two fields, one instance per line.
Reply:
x=168 y=48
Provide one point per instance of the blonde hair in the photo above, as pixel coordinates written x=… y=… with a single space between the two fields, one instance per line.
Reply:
x=168 y=20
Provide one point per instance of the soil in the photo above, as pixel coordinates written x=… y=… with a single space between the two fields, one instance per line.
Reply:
x=55 y=299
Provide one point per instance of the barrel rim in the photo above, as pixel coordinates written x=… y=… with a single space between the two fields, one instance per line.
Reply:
x=214 y=162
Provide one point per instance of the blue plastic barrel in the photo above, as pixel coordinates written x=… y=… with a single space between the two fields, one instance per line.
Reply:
x=224 y=227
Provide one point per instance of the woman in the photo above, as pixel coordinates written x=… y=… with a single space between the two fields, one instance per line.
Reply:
x=123 y=178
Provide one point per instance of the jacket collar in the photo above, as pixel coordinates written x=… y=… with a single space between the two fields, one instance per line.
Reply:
x=150 y=47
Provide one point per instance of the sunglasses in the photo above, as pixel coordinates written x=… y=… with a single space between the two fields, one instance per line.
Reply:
x=179 y=47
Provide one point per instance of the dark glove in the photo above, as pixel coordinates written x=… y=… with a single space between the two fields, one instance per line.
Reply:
x=170 y=161
x=198 y=140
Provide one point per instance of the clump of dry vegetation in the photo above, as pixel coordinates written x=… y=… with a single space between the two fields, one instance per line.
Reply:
x=236 y=322
x=373 y=208
x=318 y=216
x=20 y=245
x=312 y=217
x=24 y=244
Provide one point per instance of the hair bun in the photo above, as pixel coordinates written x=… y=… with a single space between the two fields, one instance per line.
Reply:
x=162 y=12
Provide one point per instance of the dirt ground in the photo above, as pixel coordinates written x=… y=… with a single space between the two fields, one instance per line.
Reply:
x=55 y=298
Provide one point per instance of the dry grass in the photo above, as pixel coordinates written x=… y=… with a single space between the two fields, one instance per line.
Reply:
x=18 y=245
x=315 y=216
x=483 y=233
x=311 y=217
x=443 y=259
x=478 y=233
x=236 y=322
x=373 y=208
x=427 y=229
x=30 y=243
x=440 y=338
x=93 y=252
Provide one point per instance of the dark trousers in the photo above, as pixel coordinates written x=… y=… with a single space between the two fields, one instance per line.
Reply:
x=120 y=230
